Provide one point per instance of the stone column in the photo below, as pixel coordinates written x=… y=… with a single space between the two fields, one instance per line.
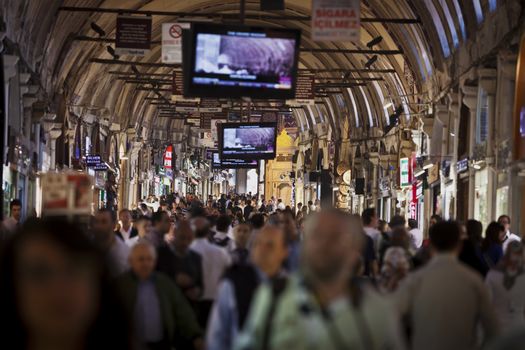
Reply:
x=240 y=180
x=470 y=99
x=53 y=135
x=487 y=80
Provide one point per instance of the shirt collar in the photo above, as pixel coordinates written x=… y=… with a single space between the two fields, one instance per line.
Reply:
x=439 y=257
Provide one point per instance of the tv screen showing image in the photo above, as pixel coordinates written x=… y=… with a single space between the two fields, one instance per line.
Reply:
x=247 y=140
x=232 y=163
x=209 y=153
x=240 y=61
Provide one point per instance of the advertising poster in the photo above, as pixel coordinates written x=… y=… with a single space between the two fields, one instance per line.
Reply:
x=65 y=194
x=336 y=20
x=133 y=35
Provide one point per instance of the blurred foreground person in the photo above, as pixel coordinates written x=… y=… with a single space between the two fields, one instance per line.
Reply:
x=215 y=260
x=322 y=307
x=55 y=294
x=13 y=222
x=117 y=251
x=444 y=301
x=506 y=284
x=239 y=285
x=242 y=235
x=144 y=227
x=471 y=254
x=396 y=266
x=127 y=233
x=160 y=311
x=492 y=246
x=504 y=220
x=161 y=226
x=180 y=263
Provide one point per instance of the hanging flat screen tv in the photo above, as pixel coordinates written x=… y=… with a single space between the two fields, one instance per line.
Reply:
x=232 y=163
x=247 y=140
x=240 y=61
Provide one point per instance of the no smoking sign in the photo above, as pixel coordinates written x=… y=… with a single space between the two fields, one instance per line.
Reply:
x=172 y=41
x=175 y=31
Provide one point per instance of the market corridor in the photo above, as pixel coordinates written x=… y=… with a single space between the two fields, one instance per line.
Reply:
x=262 y=174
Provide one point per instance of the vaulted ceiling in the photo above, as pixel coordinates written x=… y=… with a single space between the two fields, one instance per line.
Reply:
x=47 y=40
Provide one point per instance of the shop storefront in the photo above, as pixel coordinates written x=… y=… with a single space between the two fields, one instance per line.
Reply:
x=481 y=205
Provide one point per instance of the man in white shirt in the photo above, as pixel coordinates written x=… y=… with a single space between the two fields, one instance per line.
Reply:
x=509 y=236
x=280 y=204
x=117 y=252
x=416 y=236
x=370 y=223
x=445 y=301
x=215 y=260
x=127 y=233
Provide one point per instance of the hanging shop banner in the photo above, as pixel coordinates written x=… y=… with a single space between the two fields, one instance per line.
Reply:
x=462 y=165
x=336 y=20
x=215 y=124
x=133 y=35
x=168 y=157
x=91 y=161
x=404 y=171
x=304 y=93
x=433 y=174
x=270 y=117
x=206 y=121
x=65 y=194
x=187 y=107
x=210 y=106
x=172 y=42
x=177 y=88
x=272 y=5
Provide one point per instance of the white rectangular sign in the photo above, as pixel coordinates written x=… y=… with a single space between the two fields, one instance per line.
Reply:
x=172 y=42
x=336 y=20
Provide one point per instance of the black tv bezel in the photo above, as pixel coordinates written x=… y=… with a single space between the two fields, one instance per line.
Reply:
x=236 y=166
x=256 y=156
x=194 y=90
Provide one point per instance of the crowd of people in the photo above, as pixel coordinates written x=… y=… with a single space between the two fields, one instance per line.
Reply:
x=241 y=272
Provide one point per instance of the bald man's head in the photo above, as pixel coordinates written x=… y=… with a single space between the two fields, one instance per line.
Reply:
x=269 y=249
x=142 y=259
x=332 y=245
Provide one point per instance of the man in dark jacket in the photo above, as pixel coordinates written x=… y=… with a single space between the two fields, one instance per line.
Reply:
x=162 y=316
x=180 y=263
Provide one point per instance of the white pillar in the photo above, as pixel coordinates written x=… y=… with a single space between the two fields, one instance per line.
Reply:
x=53 y=135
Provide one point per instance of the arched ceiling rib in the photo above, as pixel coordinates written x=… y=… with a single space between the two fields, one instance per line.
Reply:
x=64 y=65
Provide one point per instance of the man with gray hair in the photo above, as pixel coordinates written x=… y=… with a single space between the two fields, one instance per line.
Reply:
x=322 y=306
x=160 y=310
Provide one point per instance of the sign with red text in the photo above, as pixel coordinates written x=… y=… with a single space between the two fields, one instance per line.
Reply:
x=172 y=42
x=336 y=20
x=168 y=157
